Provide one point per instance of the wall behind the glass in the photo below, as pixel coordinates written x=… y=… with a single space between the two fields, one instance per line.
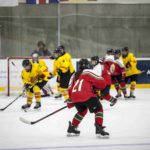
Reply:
x=86 y=30
x=23 y=26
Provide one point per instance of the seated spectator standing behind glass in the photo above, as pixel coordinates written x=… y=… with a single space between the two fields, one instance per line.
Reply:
x=41 y=49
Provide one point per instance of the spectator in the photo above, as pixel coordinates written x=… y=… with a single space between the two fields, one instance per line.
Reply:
x=41 y=49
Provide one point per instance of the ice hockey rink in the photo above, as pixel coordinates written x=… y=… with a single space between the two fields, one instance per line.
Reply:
x=128 y=123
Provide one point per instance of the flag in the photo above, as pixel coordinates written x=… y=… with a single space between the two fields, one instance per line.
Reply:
x=41 y=1
x=8 y=3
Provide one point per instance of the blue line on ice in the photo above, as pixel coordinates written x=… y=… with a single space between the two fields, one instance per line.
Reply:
x=81 y=146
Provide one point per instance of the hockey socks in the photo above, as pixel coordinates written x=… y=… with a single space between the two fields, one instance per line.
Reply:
x=78 y=118
x=99 y=117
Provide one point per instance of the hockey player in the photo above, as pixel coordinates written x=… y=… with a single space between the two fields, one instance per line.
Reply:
x=35 y=59
x=110 y=52
x=62 y=70
x=119 y=74
x=132 y=72
x=46 y=89
x=34 y=78
x=109 y=63
x=68 y=58
x=99 y=66
x=109 y=60
x=83 y=97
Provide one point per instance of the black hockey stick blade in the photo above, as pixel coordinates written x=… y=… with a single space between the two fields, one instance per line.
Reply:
x=2 y=109
x=34 y=122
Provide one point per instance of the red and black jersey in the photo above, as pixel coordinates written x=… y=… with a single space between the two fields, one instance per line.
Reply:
x=119 y=67
x=82 y=89
x=104 y=72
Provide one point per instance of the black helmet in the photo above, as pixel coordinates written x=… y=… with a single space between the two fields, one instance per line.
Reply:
x=117 y=51
x=57 y=50
x=61 y=47
x=83 y=64
x=125 y=49
x=110 y=51
x=26 y=62
x=96 y=59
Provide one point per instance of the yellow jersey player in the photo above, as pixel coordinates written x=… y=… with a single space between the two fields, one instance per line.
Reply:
x=46 y=89
x=132 y=72
x=34 y=77
x=67 y=56
x=62 y=69
x=35 y=59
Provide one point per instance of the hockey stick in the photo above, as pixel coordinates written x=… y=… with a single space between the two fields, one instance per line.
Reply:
x=2 y=109
x=34 y=122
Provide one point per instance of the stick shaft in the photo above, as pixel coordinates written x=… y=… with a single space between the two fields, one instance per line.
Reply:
x=11 y=102
x=48 y=115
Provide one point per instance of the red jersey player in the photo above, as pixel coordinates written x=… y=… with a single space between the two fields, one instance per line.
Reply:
x=82 y=95
x=100 y=67
x=119 y=74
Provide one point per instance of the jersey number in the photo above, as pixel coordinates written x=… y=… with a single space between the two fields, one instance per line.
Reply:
x=78 y=86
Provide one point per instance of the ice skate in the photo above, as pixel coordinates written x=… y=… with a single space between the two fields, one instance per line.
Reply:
x=58 y=96
x=72 y=131
x=126 y=96
x=26 y=107
x=118 y=95
x=37 y=106
x=132 y=96
x=45 y=95
x=113 y=101
x=100 y=131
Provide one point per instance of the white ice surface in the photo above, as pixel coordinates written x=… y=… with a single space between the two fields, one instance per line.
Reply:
x=128 y=123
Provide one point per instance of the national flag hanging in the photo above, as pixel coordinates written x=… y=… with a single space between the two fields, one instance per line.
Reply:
x=41 y=1
x=8 y=3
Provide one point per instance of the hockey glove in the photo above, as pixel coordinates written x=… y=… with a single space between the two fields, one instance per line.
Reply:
x=128 y=65
x=27 y=86
x=70 y=105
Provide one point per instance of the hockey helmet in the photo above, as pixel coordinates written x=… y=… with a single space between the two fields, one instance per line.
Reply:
x=117 y=51
x=125 y=49
x=26 y=63
x=110 y=51
x=35 y=55
x=57 y=50
x=94 y=60
x=61 y=47
x=83 y=64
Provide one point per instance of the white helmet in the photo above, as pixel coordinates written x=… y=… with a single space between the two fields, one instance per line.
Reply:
x=35 y=55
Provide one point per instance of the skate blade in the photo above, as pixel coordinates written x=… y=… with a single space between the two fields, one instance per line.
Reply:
x=131 y=98
x=72 y=135
x=38 y=109
x=25 y=110
x=99 y=136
